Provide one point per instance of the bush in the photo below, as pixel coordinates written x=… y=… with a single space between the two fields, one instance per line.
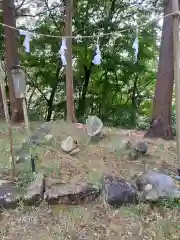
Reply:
x=143 y=123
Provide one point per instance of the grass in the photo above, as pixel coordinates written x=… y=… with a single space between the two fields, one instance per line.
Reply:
x=18 y=136
x=95 y=220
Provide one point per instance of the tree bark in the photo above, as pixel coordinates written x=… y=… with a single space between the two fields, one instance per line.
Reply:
x=1 y=107
x=69 y=70
x=161 y=125
x=82 y=100
x=53 y=92
x=12 y=57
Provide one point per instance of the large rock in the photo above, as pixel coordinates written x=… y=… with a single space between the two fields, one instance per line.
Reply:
x=94 y=127
x=71 y=193
x=155 y=186
x=121 y=146
x=10 y=194
x=74 y=152
x=35 y=190
x=117 y=192
x=141 y=148
x=138 y=150
x=68 y=144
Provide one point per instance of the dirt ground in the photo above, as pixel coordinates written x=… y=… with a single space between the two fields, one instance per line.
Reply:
x=95 y=220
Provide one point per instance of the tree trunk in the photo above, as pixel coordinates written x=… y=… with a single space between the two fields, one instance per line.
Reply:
x=162 y=112
x=69 y=70
x=53 y=92
x=82 y=100
x=50 y=105
x=134 y=101
x=12 y=57
x=1 y=107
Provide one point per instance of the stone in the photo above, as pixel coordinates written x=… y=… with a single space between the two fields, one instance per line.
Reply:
x=137 y=151
x=155 y=186
x=68 y=144
x=35 y=190
x=177 y=178
x=41 y=135
x=133 y=155
x=50 y=181
x=48 y=137
x=141 y=147
x=148 y=187
x=94 y=126
x=121 y=146
x=40 y=138
x=71 y=193
x=74 y=151
x=34 y=140
x=97 y=138
x=10 y=194
x=118 y=192
x=126 y=144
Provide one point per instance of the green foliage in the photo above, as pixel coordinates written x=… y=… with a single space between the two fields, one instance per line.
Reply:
x=170 y=203
x=25 y=178
x=120 y=90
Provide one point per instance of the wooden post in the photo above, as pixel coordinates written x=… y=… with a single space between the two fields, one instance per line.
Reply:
x=13 y=160
x=69 y=69
x=176 y=52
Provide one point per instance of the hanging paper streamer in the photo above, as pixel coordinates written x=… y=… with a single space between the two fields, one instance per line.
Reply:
x=27 y=39
x=136 y=45
x=97 y=57
x=62 y=51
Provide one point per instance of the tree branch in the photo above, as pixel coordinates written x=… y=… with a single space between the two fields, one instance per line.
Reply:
x=50 y=14
x=20 y=5
x=32 y=83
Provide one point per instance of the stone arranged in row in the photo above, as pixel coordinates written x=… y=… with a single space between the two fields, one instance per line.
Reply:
x=150 y=186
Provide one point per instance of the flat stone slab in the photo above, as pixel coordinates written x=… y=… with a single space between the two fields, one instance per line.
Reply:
x=10 y=195
x=35 y=190
x=71 y=194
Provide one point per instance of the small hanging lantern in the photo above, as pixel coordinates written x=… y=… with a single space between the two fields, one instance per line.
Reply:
x=19 y=81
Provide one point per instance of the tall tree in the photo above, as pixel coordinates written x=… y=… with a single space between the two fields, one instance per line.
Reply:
x=69 y=71
x=162 y=105
x=12 y=57
x=1 y=106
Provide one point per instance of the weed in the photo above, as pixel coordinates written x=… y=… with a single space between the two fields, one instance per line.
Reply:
x=95 y=178
x=170 y=203
x=25 y=178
